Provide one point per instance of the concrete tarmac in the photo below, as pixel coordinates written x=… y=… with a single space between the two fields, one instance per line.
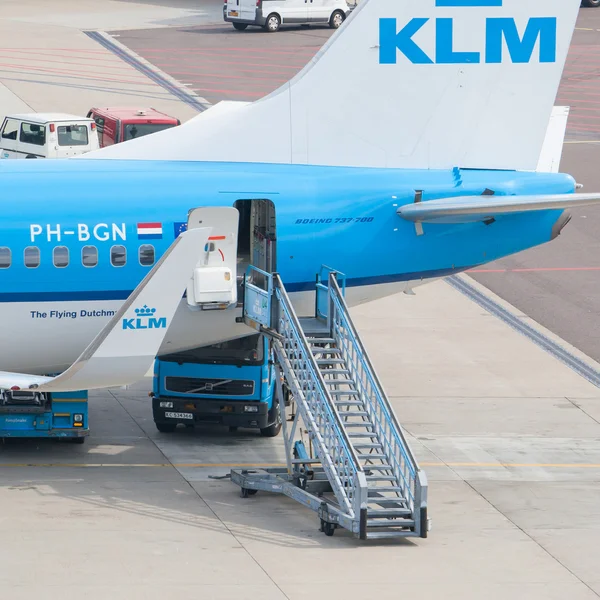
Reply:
x=508 y=436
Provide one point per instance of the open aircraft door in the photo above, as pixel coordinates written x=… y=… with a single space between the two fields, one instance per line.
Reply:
x=213 y=284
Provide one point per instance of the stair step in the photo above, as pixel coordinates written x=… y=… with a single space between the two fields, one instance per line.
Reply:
x=385 y=514
x=381 y=535
x=371 y=457
x=336 y=372
x=341 y=392
x=336 y=351
x=361 y=424
x=386 y=488
x=381 y=478
x=330 y=361
x=367 y=434
x=405 y=523
x=320 y=340
x=390 y=523
x=354 y=413
x=379 y=467
x=387 y=503
x=367 y=445
x=348 y=403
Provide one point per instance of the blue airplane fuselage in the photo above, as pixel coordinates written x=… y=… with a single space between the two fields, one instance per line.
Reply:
x=342 y=217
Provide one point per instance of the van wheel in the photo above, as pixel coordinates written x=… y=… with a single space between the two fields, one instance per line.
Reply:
x=31 y=156
x=240 y=26
x=337 y=18
x=273 y=23
x=591 y=3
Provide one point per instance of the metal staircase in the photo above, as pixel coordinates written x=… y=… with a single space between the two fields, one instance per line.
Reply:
x=361 y=474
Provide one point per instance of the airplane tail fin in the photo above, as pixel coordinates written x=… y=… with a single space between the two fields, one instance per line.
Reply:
x=409 y=84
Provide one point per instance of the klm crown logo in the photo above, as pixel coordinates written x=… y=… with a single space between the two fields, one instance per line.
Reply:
x=145 y=319
x=498 y=30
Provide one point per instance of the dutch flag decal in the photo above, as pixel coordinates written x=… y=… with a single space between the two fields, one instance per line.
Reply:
x=149 y=231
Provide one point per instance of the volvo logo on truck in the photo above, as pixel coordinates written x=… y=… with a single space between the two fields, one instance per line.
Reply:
x=145 y=319
x=520 y=38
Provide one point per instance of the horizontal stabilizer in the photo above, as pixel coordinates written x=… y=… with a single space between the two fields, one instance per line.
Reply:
x=468 y=209
x=124 y=350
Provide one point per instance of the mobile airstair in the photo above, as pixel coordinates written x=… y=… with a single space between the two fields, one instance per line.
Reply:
x=355 y=469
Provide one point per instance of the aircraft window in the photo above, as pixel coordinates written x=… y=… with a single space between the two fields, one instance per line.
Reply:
x=60 y=256
x=32 y=257
x=10 y=129
x=72 y=135
x=146 y=255
x=89 y=256
x=5 y=258
x=118 y=256
x=32 y=133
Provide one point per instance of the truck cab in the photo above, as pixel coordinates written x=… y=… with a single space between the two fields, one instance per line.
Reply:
x=117 y=125
x=47 y=135
x=231 y=383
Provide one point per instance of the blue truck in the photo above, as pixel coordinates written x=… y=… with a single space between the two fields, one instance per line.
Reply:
x=231 y=383
x=30 y=414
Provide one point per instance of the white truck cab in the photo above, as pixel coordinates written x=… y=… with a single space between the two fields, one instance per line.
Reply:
x=47 y=135
x=271 y=14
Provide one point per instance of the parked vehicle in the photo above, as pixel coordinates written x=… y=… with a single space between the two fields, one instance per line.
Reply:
x=271 y=14
x=47 y=135
x=591 y=3
x=231 y=383
x=121 y=124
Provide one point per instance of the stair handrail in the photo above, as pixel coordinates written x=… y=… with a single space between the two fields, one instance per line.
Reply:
x=351 y=494
x=416 y=480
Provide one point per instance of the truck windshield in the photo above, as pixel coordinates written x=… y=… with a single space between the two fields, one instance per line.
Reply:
x=244 y=351
x=136 y=130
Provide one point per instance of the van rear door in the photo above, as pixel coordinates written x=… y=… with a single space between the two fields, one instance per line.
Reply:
x=75 y=138
x=248 y=9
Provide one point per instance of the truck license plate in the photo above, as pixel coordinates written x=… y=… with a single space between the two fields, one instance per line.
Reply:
x=174 y=415
x=233 y=13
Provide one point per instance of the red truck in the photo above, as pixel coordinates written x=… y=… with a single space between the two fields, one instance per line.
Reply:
x=116 y=125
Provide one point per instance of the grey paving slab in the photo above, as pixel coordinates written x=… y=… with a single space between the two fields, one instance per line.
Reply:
x=556 y=417
x=447 y=590
x=545 y=505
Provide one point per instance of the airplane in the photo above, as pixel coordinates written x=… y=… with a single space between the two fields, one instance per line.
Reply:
x=416 y=144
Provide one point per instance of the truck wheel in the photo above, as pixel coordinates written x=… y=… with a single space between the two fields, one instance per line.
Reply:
x=337 y=18
x=240 y=26
x=166 y=427
x=273 y=23
x=591 y=3
x=31 y=156
x=274 y=429
x=77 y=440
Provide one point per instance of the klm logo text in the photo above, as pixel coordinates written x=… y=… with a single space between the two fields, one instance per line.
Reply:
x=500 y=34
x=145 y=319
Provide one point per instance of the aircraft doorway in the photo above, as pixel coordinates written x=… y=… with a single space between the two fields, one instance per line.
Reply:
x=257 y=238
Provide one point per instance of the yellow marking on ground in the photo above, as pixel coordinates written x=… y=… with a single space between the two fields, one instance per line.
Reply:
x=262 y=466
x=584 y=142
x=585 y=29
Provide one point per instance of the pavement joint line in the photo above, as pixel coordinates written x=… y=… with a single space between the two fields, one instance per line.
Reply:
x=149 y=70
x=503 y=465
x=509 y=315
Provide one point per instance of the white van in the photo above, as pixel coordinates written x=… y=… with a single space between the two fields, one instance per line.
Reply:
x=47 y=135
x=271 y=14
